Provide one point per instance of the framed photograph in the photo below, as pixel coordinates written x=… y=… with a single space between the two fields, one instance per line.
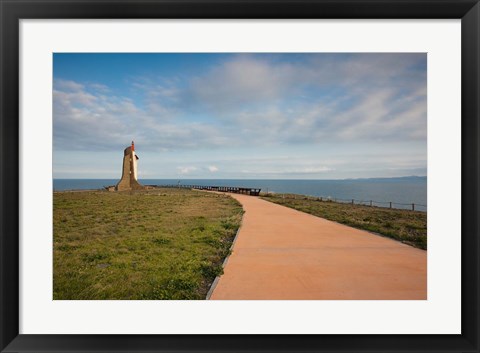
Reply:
x=239 y=176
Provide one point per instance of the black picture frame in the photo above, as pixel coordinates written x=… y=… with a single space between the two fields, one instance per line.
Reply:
x=12 y=11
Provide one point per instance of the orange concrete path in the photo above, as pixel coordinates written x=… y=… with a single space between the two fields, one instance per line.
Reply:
x=281 y=253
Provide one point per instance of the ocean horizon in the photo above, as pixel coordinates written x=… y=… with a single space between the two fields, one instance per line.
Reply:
x=401 y=191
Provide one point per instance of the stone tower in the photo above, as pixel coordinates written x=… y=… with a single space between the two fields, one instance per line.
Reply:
x=129 y=171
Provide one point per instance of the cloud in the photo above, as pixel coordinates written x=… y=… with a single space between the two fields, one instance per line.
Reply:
x=68 y=86
x=251 y=100
x=212 y=168
x=324 y=97
x=186 y=170
x=292 y=171
x=99 y=87
x=87 y=120
x=242 y=80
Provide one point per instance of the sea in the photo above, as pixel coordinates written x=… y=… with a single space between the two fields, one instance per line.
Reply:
x=402 y=192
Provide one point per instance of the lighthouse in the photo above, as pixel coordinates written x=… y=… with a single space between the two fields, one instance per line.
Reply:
x=129 y=171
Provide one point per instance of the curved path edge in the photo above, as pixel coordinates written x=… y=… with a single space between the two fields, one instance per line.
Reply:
x=281 y=253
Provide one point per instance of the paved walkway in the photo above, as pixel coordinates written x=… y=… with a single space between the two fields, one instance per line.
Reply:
x=281 y=253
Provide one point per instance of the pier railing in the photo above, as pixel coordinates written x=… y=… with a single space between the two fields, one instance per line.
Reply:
x=232 y=189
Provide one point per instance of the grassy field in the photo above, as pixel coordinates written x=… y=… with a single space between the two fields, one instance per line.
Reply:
x=157 y=244
x=406 y=226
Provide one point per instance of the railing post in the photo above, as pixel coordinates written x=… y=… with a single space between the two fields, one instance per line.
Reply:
x=352 y=201
x=370 y=203
x=413 y=207
x=390 y=205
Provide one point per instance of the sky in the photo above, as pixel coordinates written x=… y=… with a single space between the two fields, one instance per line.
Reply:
x=240 y=116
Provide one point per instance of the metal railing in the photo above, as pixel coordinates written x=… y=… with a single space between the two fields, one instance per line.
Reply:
x=372 y=203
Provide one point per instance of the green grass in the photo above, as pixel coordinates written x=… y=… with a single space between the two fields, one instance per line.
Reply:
x=409 y=227
x=156 y=244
